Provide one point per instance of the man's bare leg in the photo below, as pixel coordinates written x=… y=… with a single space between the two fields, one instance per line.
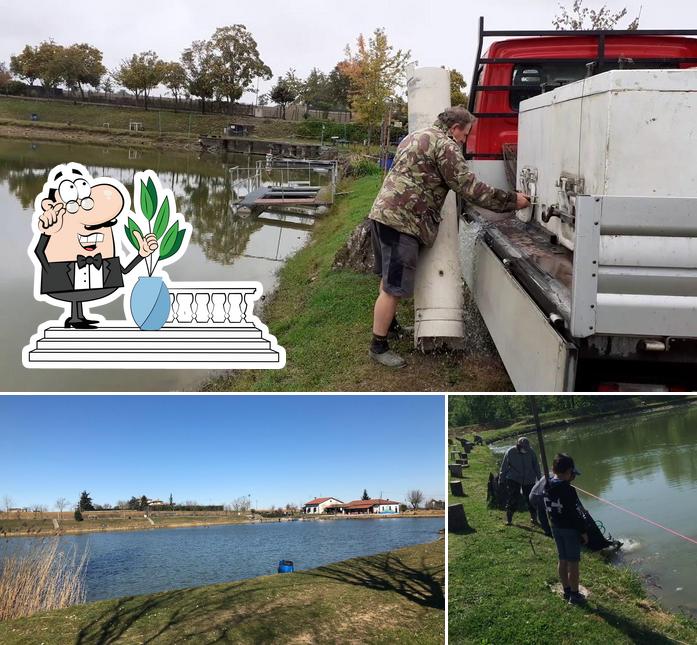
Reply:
x=383 y=315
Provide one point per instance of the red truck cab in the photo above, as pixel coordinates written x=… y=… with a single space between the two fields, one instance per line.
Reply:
x=518 y=68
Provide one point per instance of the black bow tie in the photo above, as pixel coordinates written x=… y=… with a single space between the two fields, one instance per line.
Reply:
x=95 y=260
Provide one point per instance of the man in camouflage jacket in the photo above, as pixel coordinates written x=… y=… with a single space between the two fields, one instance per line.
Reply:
x=407 y=212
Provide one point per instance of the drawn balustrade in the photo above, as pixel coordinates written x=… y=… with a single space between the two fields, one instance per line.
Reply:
x=215 y=304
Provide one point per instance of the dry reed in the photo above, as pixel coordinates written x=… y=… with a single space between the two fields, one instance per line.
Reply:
x=40 y=578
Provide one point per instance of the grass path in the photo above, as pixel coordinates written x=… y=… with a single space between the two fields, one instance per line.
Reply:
x=395 y=597
x=323 y=318
x=500 y=578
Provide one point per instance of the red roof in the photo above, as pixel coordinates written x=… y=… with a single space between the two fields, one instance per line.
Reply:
x=368 y=503
x=318 y=500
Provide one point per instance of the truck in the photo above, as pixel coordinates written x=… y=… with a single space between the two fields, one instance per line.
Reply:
x=594 y=287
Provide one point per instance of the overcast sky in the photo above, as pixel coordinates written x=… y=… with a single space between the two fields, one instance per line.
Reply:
x=296 y=33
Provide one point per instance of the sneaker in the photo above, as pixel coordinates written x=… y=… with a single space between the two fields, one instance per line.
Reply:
x=576 y=598
x=388 y=359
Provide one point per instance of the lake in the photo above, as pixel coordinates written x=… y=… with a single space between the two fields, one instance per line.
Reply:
x=141 y=562
x=648 y=464
x=224 y=246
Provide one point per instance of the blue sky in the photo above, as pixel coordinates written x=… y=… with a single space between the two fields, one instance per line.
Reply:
x=212 y=449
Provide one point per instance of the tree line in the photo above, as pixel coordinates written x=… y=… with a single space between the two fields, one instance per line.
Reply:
x=498 y=409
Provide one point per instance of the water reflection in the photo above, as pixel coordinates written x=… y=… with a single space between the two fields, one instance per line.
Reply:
x=224 y=246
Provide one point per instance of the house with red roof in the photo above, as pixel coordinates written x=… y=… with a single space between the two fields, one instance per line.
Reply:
x=320 y=504
x=370 y=507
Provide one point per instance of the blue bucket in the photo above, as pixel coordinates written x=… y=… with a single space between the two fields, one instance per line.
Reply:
x=285 y=566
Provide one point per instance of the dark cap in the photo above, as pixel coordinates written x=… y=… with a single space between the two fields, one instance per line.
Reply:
x=563 y=463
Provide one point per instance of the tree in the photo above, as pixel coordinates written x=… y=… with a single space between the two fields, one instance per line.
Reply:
x=5 y=76
x=61 y=503
x=143 y=503
x=236 y=61
x=107 y=87
x=82 y=65
x=26 y=64
x=339 y=88
x=365 y=494
x=78 y=515
x=240 y=504
x=140 y=74
x=580 y=17
x=286 y=90
x=316 y=91
x=175 y=79
x=198 y=62
x=375 y=71
x=171 y=502
x=415 y=497
x=50 y=64
x=7 y=503
x=457 y=84
x=133 y=504
x=85 y=503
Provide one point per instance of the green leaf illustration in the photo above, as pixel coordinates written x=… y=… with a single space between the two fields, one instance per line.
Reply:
x=169 y=241
x=175 y=247
x=152 y=191
x=162 y=219
x=132 y=226
x=146 y=202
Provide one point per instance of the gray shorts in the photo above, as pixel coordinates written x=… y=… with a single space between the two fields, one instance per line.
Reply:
x=568 y=544
x=396 y=255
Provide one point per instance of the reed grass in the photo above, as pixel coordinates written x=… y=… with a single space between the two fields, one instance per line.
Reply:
x=40 y=578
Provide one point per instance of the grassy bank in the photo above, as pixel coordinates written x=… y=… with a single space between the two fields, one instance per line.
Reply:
x=562 y=418
x=323 y=318
x=40 y=527
x=61 y=118
x=396 y=597
x=500 y=585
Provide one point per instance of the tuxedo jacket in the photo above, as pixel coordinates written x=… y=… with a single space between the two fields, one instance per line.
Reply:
x=60 y=276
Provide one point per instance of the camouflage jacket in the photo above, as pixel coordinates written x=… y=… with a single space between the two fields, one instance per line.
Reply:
x=427 y=165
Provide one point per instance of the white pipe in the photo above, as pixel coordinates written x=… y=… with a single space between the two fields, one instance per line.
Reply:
x=438 y=297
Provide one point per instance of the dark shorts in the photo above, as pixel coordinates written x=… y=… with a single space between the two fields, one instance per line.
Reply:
x=396 y=255
x=568 y=544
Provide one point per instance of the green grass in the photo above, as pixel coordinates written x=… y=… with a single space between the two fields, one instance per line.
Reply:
x=323 y=318
x=499 y=587
x=89 y=117
x=395 y=597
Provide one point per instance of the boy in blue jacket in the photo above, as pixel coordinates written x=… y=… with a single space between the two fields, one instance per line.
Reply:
x=568 y=524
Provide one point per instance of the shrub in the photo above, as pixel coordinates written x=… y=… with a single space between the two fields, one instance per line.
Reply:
x=78 y=515
x=40 y=578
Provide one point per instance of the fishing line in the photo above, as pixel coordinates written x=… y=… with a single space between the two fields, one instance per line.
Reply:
x=641 y=517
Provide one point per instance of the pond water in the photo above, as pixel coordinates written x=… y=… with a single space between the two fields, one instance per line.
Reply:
x=224 y=246
x=648 y=464
x=140 y=562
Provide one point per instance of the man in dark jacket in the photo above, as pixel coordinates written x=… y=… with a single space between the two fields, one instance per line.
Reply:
x=519 y=470
x=568 y=524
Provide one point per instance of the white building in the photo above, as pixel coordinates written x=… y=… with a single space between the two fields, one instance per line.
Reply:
x=319 y=504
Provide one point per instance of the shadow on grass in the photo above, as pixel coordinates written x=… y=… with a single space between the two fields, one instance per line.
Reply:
x=227 y=613
x=637 y=633
x=388 y=572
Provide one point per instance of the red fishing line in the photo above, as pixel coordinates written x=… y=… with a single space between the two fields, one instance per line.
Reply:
x=641 y=517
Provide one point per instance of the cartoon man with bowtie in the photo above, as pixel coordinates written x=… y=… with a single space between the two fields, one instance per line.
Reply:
x=76 y=247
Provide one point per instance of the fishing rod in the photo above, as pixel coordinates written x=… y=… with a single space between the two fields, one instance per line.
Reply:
x=540 y=439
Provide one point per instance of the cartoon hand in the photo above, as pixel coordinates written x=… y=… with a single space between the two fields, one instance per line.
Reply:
x=51 y=220
x=148 y=244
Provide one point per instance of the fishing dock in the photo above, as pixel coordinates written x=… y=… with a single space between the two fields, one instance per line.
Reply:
x=289 y=183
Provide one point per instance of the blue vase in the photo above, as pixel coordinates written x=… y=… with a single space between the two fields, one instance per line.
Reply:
x=150 y=303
